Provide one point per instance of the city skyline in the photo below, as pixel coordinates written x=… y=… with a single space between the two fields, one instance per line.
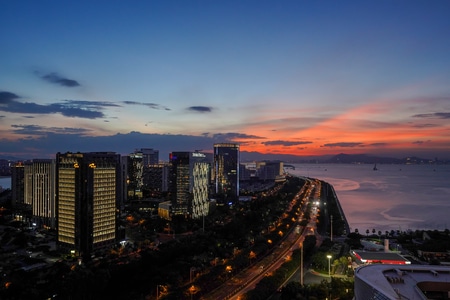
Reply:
x=290 y=77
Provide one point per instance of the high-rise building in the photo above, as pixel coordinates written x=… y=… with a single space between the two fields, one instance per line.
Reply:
x=270 y=170
x=156 y=178
x=226 y=170
x=88 y=188
x=150 y=156
x=189 y=181
x=17 y=184
x=139 y=174
x=135 y=179
x=40 y=191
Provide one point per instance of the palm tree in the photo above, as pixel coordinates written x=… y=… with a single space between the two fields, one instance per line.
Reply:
x=367 y=232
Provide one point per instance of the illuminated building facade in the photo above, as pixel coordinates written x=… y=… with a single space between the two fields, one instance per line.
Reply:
x=87 y=197
x=135 y=179
x=226 y=170
x=139 y=169
x=189 y=184
x=40 y=191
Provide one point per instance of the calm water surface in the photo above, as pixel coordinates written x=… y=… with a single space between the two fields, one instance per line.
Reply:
x=394 y=197
x=5 y=182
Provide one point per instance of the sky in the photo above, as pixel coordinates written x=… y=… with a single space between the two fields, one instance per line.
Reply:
x=305 y=78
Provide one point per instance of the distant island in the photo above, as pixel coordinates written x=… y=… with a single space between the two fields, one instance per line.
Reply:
x=340 y=158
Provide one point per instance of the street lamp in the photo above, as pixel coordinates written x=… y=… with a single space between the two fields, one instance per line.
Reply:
x=301 y=264
x=329 y=264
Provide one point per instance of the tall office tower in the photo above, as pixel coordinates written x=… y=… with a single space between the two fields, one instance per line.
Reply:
x=88 y=185
x=156 y=178
x=17 y=183
x=40 y=191
x=149 y=156
x=28 y=183
x=226 y=170
x=189 y=184
x=135 y=170
x=269 y=170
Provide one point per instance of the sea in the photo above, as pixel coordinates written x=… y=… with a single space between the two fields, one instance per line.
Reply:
x=5 y=183
x=392 y=197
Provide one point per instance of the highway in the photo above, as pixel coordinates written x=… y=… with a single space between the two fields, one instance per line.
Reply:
x=245 y=281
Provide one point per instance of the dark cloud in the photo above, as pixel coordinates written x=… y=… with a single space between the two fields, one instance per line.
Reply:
x=379 y=144
x=57 y=79
x=41 y=145
x=202 y=109
x=231 y=136
x=437 y=115
x=6 y=97
x=38 y=130
x=69 y=108
x=149 y=105
x=420 y=142
x=425 y=125
x=345 y=145
x=285 y=143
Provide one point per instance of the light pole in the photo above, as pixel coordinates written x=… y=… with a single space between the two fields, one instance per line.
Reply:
x=329 y=265
x=301 y=264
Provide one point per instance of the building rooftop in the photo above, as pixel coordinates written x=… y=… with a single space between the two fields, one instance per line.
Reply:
x=406 y=281
x=380 y=257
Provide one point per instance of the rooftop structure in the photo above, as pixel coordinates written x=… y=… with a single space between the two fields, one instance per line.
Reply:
x=371 y=257
x=387 y=282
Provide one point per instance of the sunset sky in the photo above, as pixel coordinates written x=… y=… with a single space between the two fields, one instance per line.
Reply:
x=284 y=77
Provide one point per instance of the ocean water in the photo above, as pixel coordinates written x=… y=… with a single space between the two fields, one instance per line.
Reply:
x=5 y=182
x=394 y=197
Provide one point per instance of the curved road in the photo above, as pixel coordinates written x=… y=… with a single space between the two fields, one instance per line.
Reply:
x=246 y=280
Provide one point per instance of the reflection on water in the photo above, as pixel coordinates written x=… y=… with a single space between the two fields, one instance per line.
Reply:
x=394 y=197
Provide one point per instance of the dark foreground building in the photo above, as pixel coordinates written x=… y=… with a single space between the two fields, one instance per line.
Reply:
x=226 y=170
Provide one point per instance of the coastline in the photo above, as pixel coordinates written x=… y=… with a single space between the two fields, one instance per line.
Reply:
x=395 y=197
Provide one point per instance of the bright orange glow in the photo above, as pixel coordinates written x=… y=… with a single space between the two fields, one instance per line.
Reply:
x=369 y=128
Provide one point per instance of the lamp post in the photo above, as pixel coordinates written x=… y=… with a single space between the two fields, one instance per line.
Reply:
x=329 y=265
x=301 y=264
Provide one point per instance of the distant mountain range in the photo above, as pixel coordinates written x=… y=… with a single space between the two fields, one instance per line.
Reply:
x=339 y=158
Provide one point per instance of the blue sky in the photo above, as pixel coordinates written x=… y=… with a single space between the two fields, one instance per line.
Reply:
x=283 y=77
